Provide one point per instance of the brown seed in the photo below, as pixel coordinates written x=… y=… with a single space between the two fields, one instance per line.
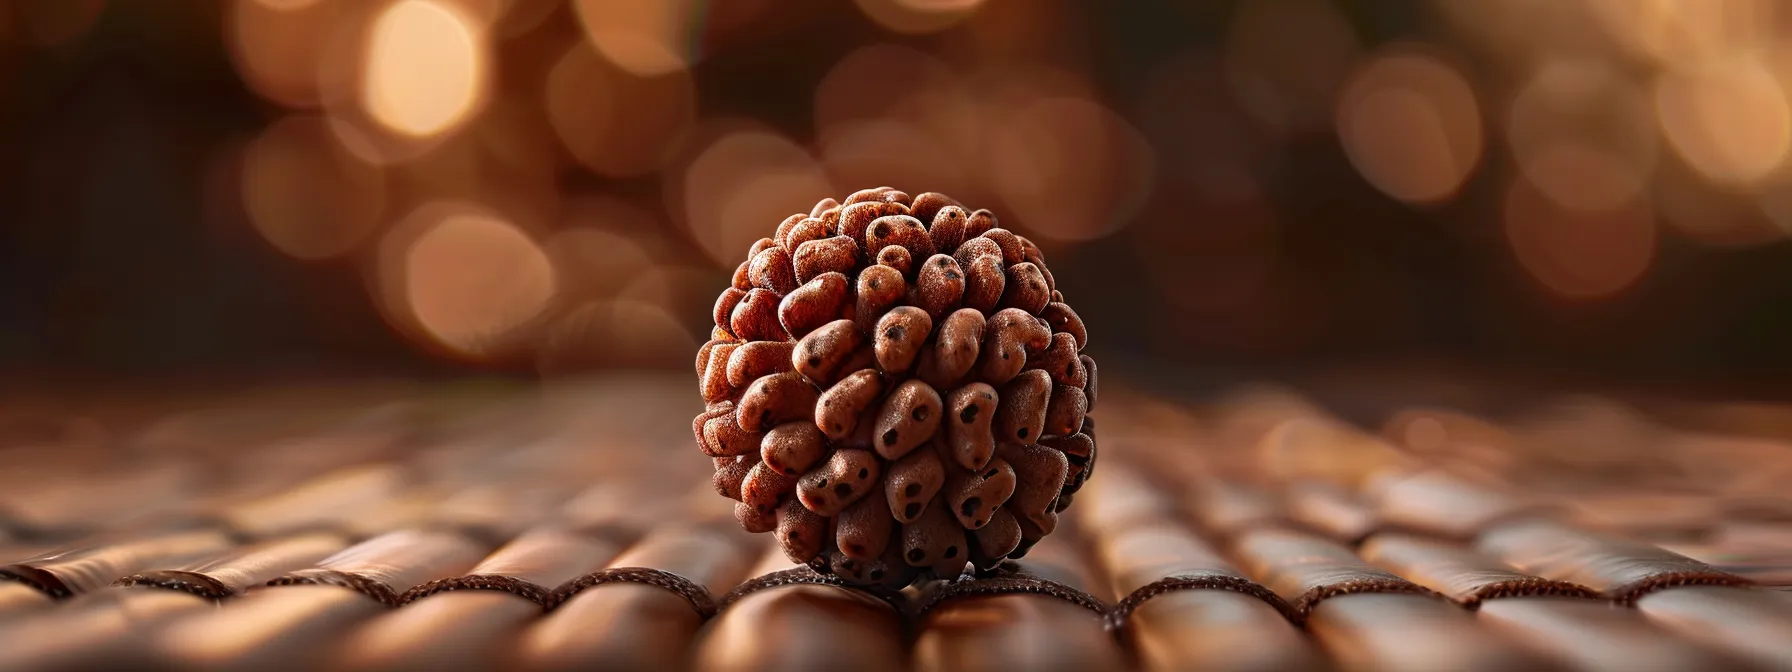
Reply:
x=996 y=539
x=756 y=317
x=785 y=227
x=775 y=399
x=954 y=349
x=838 y=254
x=913 y=482
x=703 y=356
x=1051 y=283
x=838 y=410
x=968 y=252
x=772 y=270
x=974 y=496
x=821 y=353
x=823 y=205
x=1040 y=474
x=1057 y=296
x=760 y=245
x=1026 y=289
x=1010 y=244
x=880 y=287
x=817 y=302
x=899 y=337
x=862 y=437
x=872 y=195
x=1031 y=252
x=1065 y=321
x=897 y=196
x=863 y=529
x=887 y=570
x=939 y=286
x=1061 y=361
x=969 y=412
x=846 y=476
x=984 y=283
x=909 y=417
x=753 y=520
x=898 y=230
x=1064 y=414
x=1020 y=417
x=897 y=257
x=1079 y=454
x=1089 y=387
x=800 y=532
x=724 y=310
x=809 y=229
x=741 y=280
x=946 y=228
x=752 y=361
x=862 y=358
x=715 y=378
x=730 y=473
x=933 y=538
x=856 y=218
x=702 y=419
x=1009 y=337
x=981 y=220
x=793 y=447
x=764 y=488
x=724 y=437
x=927 y=205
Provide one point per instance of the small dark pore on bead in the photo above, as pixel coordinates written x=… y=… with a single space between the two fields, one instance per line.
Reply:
x=970 y=505
x=915 y=554
x=913 y=509
x=913 y=490
x=968 y=415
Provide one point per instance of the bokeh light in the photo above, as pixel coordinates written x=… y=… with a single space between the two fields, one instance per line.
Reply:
x=1584 y=135
x=1410 y=124
x=1579 y=254
x=613 y=121
x=1069 y=169
x=426 y=68
x=647 y=38
x=1288 y=89
x=305 y=194
x=465 y=277
x=278 y=48
x=1728 y=118
x=741 y=185
x=918 y=16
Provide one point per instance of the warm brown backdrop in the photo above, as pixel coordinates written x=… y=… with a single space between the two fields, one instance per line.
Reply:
x=224 y=188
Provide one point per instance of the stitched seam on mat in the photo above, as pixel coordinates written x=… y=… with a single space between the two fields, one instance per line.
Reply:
x=1121 y=611
x=1303 y=605
x=693 y=593
x=1526 y=587
x=207 y=588
x=1006 y=580
x=527 y=590
x=1628 y=595
x=374 y=589
x=23 y=574
x=801 y=576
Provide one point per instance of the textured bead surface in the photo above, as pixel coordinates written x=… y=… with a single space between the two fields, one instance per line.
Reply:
x=896 y=388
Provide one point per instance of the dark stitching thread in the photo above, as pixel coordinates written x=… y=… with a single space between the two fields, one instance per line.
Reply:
x=1122 y=610
x=374 y=589
x=185 y=582
x=695 y=594
x=527 y=590
x=1628 y=594
x=40 y=580
x=1529 y=586
x=1303 y=605
x=796 y=576
x=1008 y=579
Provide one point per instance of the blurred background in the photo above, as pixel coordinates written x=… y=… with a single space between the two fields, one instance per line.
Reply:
x=1596 y=190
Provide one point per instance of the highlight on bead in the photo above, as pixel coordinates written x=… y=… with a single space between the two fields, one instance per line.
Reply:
x=896 y=389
